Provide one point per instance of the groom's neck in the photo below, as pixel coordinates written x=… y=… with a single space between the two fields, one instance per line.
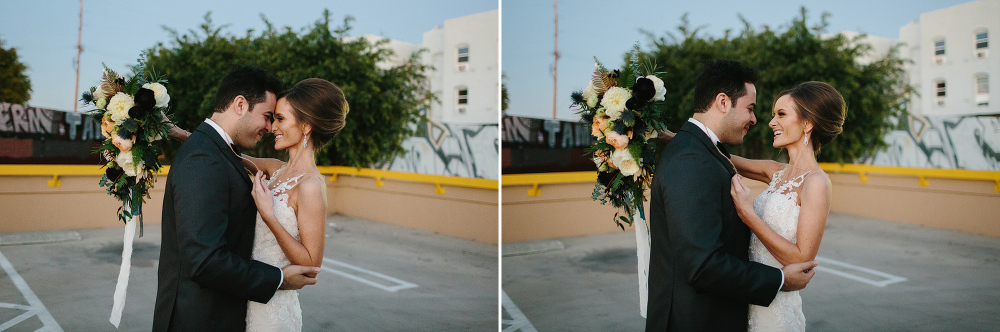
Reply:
x=711 y=120
x=225 y=120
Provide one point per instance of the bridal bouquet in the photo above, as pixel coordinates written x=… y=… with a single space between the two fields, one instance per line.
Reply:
x=132 y=115
x=130 y=110
x=618 y=106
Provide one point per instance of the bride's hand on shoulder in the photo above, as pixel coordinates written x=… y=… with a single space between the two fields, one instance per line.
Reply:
x=665 y=135
x=262 y=196
x=741 y=197
x=175 y=132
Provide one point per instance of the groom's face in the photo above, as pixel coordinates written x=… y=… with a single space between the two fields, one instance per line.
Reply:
x=252 y=126
x=738 y=119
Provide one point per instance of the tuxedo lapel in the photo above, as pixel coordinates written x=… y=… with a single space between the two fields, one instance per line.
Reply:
x=226 y=151
x=702 y=137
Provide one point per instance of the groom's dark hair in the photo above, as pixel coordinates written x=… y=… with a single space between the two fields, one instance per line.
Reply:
x=722 y=76
x=248 y=81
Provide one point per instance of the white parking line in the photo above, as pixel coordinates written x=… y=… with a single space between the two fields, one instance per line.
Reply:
x=843 y=269
x=518 y=321
x=34 y=307
x=398 y=284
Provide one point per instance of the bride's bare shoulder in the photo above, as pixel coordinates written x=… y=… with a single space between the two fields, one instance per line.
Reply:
x=818 y=184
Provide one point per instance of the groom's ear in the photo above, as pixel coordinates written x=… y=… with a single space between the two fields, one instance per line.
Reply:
x=723 y=102
x=240 y=105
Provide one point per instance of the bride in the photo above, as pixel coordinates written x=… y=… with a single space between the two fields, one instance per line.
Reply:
x=789 y=217
x=291 y=196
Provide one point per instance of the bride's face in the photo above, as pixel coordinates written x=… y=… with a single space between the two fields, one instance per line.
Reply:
x=788 y=127
x=287 y=131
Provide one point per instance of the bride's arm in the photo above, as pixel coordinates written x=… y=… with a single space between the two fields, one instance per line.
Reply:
x=815 y=205
x=266 y=165
x=311 y=216
x=760 y=170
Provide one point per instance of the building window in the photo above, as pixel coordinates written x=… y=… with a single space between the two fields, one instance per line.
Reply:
x=939 y=50
x=940 y=93
x=463 y=99
x=463 y=54
x=939 y=47
x=463 y=58
x=982 y=89
x=982 y=43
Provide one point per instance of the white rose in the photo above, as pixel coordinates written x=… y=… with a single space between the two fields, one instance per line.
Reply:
x=162 y=98
x=624 y=161
x=101 y=103
x=99 y=94
x=660 y=90
x=124 y=161
x=119 y=106
x=614 y=101
x=590 y=95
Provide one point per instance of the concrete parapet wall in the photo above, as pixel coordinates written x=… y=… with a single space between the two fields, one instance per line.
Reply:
x=567 y=210
x=970 y=206
x=28 y=203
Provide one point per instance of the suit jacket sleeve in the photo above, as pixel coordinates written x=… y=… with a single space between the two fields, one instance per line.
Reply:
x=201 y=197
x=696 y=226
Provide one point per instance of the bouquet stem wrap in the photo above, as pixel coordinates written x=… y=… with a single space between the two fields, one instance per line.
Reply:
x=642 y=251
x=123 y=273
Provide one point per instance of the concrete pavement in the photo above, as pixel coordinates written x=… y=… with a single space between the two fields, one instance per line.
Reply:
x=952 y=281
x=377 y=277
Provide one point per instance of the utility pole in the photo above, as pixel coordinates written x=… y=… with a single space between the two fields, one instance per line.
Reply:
x=79 y=49
x=555 y=62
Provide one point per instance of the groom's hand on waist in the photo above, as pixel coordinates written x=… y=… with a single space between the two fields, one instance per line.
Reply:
x=797 y=275
x=297 y=276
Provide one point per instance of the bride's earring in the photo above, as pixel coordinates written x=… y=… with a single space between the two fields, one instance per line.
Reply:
x=806 y=141
x=305 y=141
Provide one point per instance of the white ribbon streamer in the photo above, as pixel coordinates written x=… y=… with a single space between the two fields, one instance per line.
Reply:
x=116 y=309
x=642 y=250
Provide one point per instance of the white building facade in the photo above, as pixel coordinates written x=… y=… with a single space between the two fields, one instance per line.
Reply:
x=465 y=53
x=954 y=115
x=953 y=69
x=461 y=136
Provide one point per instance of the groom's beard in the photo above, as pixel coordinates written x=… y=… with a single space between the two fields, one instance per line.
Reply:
x=733 y=130
x=244 y=134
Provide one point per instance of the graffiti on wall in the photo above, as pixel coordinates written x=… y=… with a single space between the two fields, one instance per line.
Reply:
x=451 y=149
x=970 y=142
x=20 y=119
x=550 y=133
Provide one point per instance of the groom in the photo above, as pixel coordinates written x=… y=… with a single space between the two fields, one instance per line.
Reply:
x=700 y=276
x=206 y=274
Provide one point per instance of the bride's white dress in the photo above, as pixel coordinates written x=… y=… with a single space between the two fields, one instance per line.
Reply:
x=778 y=207
x=282 y=312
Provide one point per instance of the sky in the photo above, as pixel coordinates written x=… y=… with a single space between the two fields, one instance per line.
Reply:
x=608 y=29
x=116 y=32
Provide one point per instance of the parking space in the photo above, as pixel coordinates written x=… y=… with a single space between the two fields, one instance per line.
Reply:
x=376 y=277
x=876 y=276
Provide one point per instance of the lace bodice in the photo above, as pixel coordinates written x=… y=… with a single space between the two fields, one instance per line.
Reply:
x=778 y=207
x=282 y=312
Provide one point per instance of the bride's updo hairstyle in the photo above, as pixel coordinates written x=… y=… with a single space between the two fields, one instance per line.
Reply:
x=320 y=104
x=821 y=105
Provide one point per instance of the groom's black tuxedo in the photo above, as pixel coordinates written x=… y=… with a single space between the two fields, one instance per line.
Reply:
x=700 y=276
x=206 y=274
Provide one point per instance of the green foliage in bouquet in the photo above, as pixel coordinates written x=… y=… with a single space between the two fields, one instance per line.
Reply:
x=132 y=113
x=618 y=105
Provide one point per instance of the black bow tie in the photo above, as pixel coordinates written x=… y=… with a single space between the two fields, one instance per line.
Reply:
x=722 y=148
